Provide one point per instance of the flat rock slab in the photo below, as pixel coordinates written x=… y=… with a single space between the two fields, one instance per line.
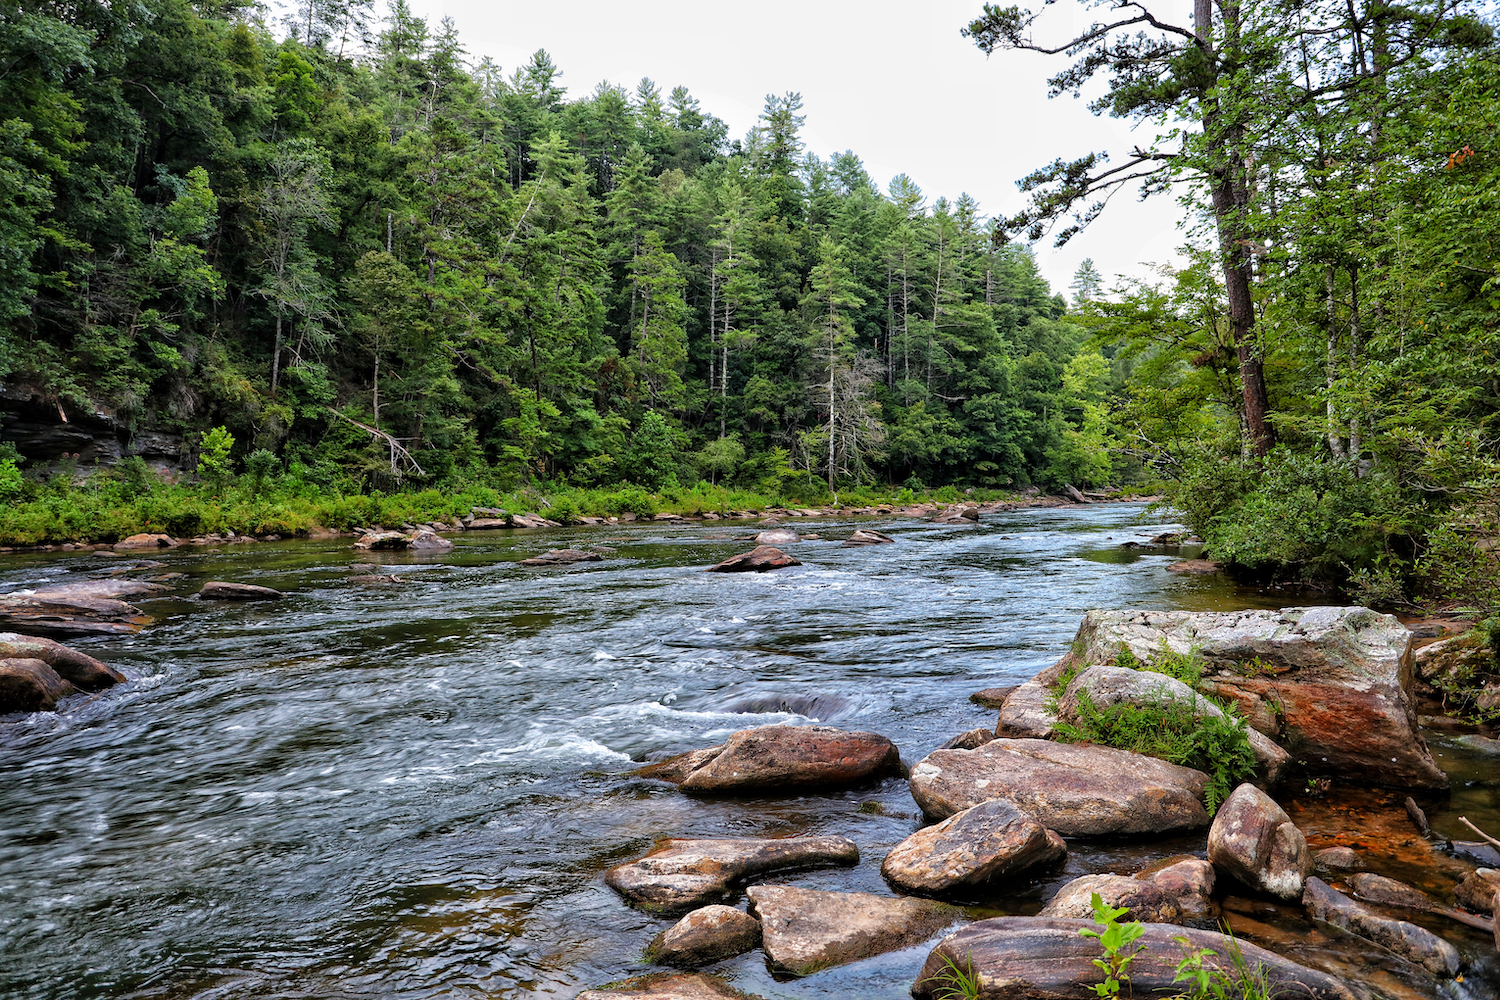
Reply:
x=1338 y=680
x=1045 y=958
x=30 y=685
x=686 y=874
x=868 y=536
x=146 y=541
x=64 y=612
x=758 y=560
x=219 y=590
x=706 y=935
x=1077 y=791
x=563 y=557
x=1413 y=943
x=79 y=669
x=383 y=541
x=1254 y=840
x=804 y=930
x=781 y=759
x=971 y=848
x=1146 y=901
x=668 y=986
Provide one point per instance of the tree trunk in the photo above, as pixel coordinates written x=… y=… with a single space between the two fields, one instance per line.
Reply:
x=276 y=357
x=1335 y=440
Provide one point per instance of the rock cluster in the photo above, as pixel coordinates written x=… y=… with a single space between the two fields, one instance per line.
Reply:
x=35 y=673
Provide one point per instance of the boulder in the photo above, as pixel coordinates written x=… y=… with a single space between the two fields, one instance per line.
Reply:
x=563 y=557
x=111 y=589
x=1413 y=943
x=1146 y=901
x=1477 y=891
x=1078 y=791
x=146 y=541
x=781 y=759
x=1045 y=958
x=703 y=936
x=485 y=523
x=777 y=536
x=992 y=697
x=1334 y=682
x=971 y=848
x=30 y=685
x=1107 y=686
x=757 y=560
x=78 y=669
x=1382 y=891
x=970 y=740
x=1024 y=713
x=1254 y=840
x=218 y=590
x=426 y=540
x=1337 y=859
x=804 y=930
x=1483 y=744
x=383 y=541
x=667 y=986
x=67 y=611
x=686 y=874
x=1188 y=882
x=868 y=536
x=959 y=513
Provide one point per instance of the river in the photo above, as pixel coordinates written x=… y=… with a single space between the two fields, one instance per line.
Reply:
x=413 y=790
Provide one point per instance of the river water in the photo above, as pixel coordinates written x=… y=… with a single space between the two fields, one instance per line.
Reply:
x=414 y=789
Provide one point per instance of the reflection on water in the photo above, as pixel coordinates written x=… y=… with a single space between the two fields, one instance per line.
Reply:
x=412 y=788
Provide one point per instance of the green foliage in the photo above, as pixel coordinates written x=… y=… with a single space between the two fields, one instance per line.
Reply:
x=1211 y=981
x=213 y=456
x=954 y=981
x=1116 y=939
x=12 y=485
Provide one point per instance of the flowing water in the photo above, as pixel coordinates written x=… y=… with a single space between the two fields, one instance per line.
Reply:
x=414 y=789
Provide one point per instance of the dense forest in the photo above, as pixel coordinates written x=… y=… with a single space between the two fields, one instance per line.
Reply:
x=378 y=261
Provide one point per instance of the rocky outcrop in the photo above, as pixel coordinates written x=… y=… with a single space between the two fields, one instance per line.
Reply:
x=146 y=541
x=79 y=669
x=563 y=557
x=685 y=874
x=1254 y=840
x=1331 y=685
x=973 y=739
x=30 y=685
x=1478 y=890
x=804 y=930
x=1075 y=790
x=757 y=560
x=959 y=513
x=383 y=541
x=75 y=610
x=1413 y=943
x=777 y=536
x=1146 y=901
x=868 y=536
x=666 y=986
x=706 y=935
x=218 y=590
x=781 y=759
x=970 y=849
x=1044 y=958
x=1108 y=686
x=428 y=541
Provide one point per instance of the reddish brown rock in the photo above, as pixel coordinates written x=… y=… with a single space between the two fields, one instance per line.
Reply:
x=146 y=541
x=1477 y=891
x=30 y=685
x=757 y=560
x=1254 y=840
x=781 y=759
x=1415 y=944
x=685 y=874
x=1337 y=859
x=706 y=935
x=868 y=536
x=79 y=669
x=563 y=557
x=1195 y=567
x=1146 y=901
x=1378 y=889
x=1188 y=882
x=970 y=849
x=804 y=930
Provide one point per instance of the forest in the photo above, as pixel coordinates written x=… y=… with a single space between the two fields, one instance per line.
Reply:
x=340 y=254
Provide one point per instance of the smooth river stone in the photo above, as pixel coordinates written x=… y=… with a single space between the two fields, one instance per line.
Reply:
x=78 y=669
x=705 y=935
x=1254 y=840
x=685 y=874
x=757 y=560
x=804 y=930
x=30 y=685
x=781 y=759
x=1045 y=958
x=969 y=849
x=1146 y=901
x=219 y=590
x=1416 y=944
x=1077 y=791
x=668 y=986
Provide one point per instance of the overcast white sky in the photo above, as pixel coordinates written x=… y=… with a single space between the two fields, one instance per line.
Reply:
x=893 y=81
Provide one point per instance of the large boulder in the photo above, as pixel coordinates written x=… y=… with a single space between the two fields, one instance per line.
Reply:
x=1188 y=882
x=1078 y=791
x=1254 y=840
x=959 y=513
x=1045 y=958
x=69 y=611
x=757 y=560
x=1146 y=901
x=804 y=930
x=1109 y=686
x=30 y=685
x=686 y=874
x=777 y=536
x=426 y=540
x=383 y=541
x=219 y=590
x=1478 y=890
x=146 y=541
x=781 y=759
x=1413 y=943
x=705 y=935
x=668 y=986
x=1331 y=684
x=563 y=557
x=79 y=669
x=971 y=848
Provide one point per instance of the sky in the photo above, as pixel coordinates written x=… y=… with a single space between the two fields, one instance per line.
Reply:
x=891 y=80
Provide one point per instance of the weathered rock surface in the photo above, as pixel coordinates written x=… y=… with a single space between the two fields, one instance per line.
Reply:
x=1107 y=686
x=1188 y=882
x=1337 y=859
x=685 y=874
x=218 y=590
x=79 y=669
x=984 y=843
x=1416 y=944
x=973 y=739
x=1473 y=741
x=868 y=536
x=1146 y=901
x=71 y=611
x=429 y=541
x=1478 y=890
x=1194 y=567
x=1254 y=840
x=665 y=986
x=1372 y=888
x=804 y=930
x=383 y=541
x=146 y=541
x=1024 y=713
x=992 y=697
x=1078 y=791
x=757 y=560
x=777 y=536
x=563 y=557
x=781 y=758
x=1045 y=958
x=705 y=935
x=959 y=513
x=1336 y=680
x=30 y=685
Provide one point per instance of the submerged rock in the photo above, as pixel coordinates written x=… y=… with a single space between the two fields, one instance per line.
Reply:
x=1146 y=901
x=1254 y=840
x=1337 y=859
x=757 y=560
x=30 y=685
x=781 y=758
x=668 y=986
x=1029 y=958
x=1416 y=944
x=563 y=557
x=218 y=590
x=705 y=935
x=1478 y=890
x=685 y=874
x=971 y=848
x=1078 y=791
x=804 y=930
x=79 y=669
